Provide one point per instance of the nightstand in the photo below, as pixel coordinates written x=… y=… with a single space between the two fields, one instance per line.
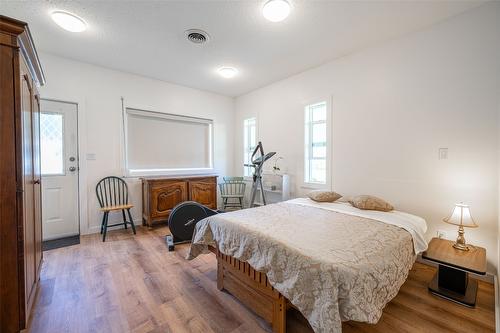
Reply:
x=452 y=278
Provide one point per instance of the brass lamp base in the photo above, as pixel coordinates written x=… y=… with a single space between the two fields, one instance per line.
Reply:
x=460 y=243
x=462 y=247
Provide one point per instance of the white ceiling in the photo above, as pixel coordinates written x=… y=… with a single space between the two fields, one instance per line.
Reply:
x=147 y=37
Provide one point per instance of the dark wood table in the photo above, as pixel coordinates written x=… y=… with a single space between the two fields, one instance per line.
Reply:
x=452 y=278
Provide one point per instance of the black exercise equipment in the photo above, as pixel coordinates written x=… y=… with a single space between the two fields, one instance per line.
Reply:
x=182 y=221
x=257 y=163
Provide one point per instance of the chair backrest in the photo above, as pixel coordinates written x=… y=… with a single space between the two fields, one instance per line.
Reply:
x=233 y=179
x=232 y=189
x=112 y=191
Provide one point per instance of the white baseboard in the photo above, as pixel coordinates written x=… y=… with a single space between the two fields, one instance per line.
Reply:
x=497 y=306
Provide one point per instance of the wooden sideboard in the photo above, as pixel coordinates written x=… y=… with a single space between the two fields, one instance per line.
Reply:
x=161 y=194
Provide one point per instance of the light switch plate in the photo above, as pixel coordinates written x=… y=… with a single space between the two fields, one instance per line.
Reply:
x=443 y=153
x=91 y=157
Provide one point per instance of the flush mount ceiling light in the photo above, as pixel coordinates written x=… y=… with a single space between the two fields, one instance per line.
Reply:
x=227 y=72
x=276 y=10
x=68 y=21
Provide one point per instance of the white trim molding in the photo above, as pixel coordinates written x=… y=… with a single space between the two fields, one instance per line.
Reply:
x=305 y=184
x=497 y=304
x=82 y=162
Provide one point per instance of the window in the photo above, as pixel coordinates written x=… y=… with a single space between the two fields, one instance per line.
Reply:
x=51 y=143
x=159 y=143
x=249 y=143
x=316 y=145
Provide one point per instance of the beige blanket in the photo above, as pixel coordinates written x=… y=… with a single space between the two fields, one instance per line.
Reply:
x=332 y=266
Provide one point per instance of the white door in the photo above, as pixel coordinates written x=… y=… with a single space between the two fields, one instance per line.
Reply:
x=59 y=150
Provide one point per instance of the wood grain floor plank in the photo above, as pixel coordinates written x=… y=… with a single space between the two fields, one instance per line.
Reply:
x=133 y=284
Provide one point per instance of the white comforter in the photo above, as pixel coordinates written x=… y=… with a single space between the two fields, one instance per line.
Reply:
x=332 y=261
x=415 y=225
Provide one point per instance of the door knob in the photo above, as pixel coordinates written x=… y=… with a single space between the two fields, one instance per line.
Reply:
x=72 y=169
x=72 y=159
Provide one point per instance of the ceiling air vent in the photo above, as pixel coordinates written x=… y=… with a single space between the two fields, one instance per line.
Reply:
x=197 y=36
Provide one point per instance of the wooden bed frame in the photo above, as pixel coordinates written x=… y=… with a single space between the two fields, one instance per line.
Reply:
x=252 y=288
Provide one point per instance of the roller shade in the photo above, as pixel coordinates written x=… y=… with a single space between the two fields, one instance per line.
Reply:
x=159 y=142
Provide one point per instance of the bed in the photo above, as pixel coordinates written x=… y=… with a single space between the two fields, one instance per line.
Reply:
x=331 y=261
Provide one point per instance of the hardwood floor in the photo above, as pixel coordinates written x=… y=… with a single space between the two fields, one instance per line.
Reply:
x=133 y=284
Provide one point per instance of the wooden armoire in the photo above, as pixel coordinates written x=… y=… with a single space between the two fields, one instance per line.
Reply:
x=20 y=189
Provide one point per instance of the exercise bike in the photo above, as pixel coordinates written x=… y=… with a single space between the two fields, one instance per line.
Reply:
x=258 y=159
x=183 y=218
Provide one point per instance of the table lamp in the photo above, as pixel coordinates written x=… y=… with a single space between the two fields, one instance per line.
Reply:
x=461 y=217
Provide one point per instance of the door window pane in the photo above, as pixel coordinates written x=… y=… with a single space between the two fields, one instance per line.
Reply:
x=51 y=140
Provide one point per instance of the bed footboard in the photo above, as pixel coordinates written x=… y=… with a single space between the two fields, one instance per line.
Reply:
x=252 y=289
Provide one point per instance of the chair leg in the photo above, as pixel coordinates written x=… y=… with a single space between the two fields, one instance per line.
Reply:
x=131 y=220
x=241 y=202
x=124 y=218
x=102 y=222
x=105 y=226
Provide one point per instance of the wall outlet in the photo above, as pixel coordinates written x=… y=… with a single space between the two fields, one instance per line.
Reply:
x=441 y=234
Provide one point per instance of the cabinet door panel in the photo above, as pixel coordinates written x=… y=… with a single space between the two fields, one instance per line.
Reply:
x=28 y=189
x=9 y=279
x=204 y=193
x=37 y=186
x=166 y=196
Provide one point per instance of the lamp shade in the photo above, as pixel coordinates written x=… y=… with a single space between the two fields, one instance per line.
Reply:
x=461 y=216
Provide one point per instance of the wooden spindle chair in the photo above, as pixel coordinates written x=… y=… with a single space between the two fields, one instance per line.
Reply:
x=233 y=189
x=112 y=194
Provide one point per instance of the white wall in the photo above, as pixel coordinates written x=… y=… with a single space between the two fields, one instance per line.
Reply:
x=394 y=105
x=98 y=91
x=497 y=295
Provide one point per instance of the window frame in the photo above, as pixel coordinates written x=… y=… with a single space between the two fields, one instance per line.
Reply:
x=247 y=149
x=307 y=183
x=133 y=173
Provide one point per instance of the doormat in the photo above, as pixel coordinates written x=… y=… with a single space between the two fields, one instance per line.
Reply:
x=61 y=242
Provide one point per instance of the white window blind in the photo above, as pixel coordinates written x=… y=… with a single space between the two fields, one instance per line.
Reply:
x=159 y=143
x=249 y=143
x=316 y=153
